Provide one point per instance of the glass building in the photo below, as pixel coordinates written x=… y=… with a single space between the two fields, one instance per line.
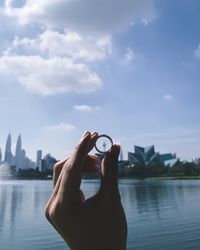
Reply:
x=146 y=156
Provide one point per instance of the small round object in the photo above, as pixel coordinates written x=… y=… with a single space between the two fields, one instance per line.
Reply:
x=103 y=143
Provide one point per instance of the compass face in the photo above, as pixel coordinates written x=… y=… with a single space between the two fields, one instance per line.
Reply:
x=103 y=143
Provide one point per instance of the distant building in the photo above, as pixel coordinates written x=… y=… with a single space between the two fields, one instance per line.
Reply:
x=18 y=153
x=23 y=157
x=19 y=160
x=146 y=156
x=169 y=159
x=121 y=157
x=29 y=163
x=48 y=163
x=8 y=154
x=123 y=166
x=39 y=159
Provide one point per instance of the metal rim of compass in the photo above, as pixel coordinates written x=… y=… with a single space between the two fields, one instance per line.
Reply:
x=106 y=136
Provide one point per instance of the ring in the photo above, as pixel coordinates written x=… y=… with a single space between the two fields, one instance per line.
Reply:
x=104 y=144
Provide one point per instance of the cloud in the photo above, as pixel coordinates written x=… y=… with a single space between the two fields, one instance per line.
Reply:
x=68 y=44
x=61 y=127
x=50 y=76
x=91 y=16
x=59 y=40
x=86 y=108
x=8 y=28
x=168 y=97
x=197 y=52
x=128 y=56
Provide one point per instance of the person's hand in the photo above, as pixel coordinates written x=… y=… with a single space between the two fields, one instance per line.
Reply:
x=96 y=223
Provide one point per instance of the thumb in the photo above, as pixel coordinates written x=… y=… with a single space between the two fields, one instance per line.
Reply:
x=110 y=170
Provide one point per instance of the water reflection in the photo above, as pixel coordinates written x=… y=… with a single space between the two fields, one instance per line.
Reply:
x=160 y=215
x=3 y=198
x=145 y=197
x=22 y=218
x=153 y=198
x=16 y=200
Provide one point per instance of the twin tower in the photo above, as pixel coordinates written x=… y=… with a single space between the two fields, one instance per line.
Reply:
x=19 y=158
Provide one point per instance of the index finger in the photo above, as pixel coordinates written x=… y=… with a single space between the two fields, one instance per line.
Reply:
x=72 y=169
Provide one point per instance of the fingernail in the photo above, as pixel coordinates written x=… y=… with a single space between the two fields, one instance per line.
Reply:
x=85 y=134
x=115 y=148
x=117 y=145
x=93 y=134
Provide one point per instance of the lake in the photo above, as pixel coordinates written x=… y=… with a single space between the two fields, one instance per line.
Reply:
x=161 y=214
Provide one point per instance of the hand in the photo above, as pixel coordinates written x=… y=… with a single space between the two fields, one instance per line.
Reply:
x=98 y=223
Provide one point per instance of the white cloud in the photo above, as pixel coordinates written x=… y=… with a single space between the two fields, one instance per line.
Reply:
x=61 y=127
x=8 y=27
x=50 y=76
x=197 y=52
x=168 y=97
x=91 y=16
x=128 y=56
x=68 y=44
x=64 y=37
x=86 y=108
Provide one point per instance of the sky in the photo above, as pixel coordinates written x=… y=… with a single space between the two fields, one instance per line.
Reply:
x=126 y=68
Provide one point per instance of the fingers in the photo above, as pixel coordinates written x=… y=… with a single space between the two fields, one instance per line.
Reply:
x=91 y=162
x=57 y=170
x=91 y=165
x=109 y=179
x=72 y=168
x=94 y=136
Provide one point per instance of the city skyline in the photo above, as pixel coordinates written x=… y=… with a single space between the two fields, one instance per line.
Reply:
x=18 y=159
x=132 y=73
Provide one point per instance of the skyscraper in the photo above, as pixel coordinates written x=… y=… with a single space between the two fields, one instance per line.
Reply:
x=39 y=159
x=121 y=157
x=23 y=157
x=8 y=154
x=18 y=152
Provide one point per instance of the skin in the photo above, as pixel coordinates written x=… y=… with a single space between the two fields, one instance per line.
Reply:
x=96 y=223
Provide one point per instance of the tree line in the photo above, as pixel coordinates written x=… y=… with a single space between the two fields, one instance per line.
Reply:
x=159 y=170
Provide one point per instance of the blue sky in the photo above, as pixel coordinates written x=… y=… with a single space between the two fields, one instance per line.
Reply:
x=127 y=68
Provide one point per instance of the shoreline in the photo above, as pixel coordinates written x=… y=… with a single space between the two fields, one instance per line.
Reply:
x=120 y=178
x=174 y=178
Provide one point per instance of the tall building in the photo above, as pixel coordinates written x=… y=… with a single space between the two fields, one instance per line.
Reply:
x=18 y=152
x=48 y=163
x=39 y=159
x=20 y=160
x=121 y=157
x=8 y=154
x=23 y=157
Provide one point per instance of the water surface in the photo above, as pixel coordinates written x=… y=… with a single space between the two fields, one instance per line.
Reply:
x=161 y=214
